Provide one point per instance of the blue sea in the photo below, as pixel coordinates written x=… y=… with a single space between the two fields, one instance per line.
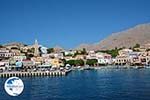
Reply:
x=104 y=84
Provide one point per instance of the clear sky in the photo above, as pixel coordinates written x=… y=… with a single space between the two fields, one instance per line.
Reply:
x=68 y=23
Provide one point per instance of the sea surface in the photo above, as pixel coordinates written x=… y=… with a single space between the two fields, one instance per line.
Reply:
x=104 y=84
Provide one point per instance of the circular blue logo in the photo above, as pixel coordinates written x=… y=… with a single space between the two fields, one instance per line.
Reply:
x=14 y=86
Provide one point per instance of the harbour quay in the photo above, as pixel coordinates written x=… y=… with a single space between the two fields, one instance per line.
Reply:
x=34 y=74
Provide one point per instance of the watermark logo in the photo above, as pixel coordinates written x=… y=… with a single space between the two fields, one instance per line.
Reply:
x=14 y=86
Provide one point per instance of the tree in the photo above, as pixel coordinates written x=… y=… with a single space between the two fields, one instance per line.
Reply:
x=83 y=51
x=50 y=50
x=91 y=62
x=1 y=46
x=64 y=61
x=75 y=62
x=137 y=46
x=71 y=62
x=148 y=49
x=112 y=52
x=76 y=54
x=14 y=48
x=79 y=62
x=29 y=56
x=31 y=50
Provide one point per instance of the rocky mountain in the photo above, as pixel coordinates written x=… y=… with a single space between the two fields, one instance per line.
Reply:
x=14 y=44
x=128 y=38
x=58 y=48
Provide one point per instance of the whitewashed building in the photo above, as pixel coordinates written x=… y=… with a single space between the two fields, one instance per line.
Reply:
x=4 y=64
x=91 y=55
x=4 y=53
x=19 y=58
x=103 y=58
x=70 y=52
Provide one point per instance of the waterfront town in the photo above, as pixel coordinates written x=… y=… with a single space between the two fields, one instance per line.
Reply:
x=32 y=58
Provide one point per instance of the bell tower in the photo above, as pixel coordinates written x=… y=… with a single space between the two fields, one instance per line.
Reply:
x=36 y=48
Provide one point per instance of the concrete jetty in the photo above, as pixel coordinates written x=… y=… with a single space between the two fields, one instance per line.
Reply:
x=33 y=74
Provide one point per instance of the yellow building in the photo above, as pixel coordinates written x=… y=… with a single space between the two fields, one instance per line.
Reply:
x=56 y=62
x=37 y=60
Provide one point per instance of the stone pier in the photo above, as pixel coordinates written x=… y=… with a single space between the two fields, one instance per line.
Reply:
x=33 y=74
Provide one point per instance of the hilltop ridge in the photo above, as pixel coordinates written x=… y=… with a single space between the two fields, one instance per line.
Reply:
x=139 y=34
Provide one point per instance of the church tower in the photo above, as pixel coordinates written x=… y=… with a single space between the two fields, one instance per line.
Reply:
x=36 y=48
